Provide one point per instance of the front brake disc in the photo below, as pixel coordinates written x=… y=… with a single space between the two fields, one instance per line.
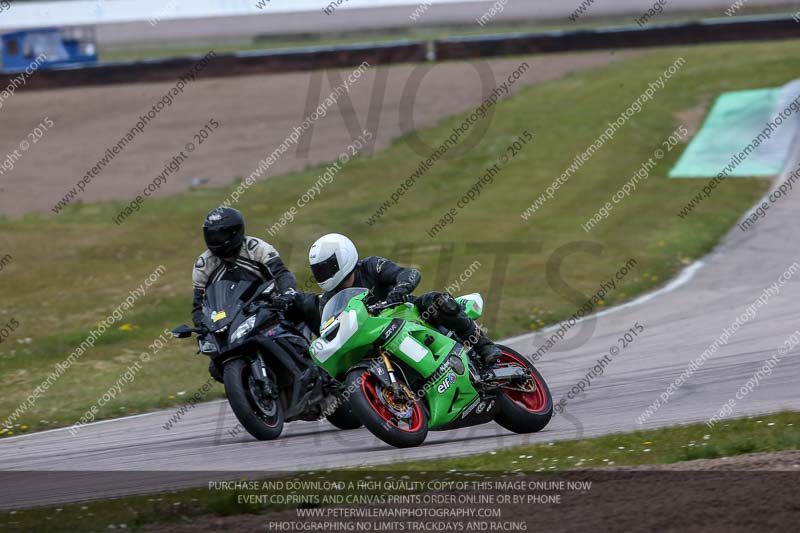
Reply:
x=268 y=406
x=401 y=410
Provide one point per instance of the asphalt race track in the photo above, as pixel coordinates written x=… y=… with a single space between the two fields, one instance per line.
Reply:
x=680 y=322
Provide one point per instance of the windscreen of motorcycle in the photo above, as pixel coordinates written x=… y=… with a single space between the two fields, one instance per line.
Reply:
x=223 y=301
x=338 y=303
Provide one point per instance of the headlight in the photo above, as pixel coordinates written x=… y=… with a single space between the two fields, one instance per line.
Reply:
x=330 y=330
x=244 y=328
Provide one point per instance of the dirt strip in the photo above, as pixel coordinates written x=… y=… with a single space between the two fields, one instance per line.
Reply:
x=255 y=113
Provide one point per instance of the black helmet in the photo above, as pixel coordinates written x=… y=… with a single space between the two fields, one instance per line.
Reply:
x=223 y=231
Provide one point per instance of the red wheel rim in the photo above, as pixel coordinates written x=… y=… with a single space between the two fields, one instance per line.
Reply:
x=535 y=401
x=369 y=388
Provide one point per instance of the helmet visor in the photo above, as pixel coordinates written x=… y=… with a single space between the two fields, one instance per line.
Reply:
x=219 y=236
x=326 y=269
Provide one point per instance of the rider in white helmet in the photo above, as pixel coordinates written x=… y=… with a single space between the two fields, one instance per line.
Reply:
x=335 y=265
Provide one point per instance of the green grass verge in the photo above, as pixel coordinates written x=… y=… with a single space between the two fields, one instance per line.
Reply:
x=767 y=433
x=71 y=270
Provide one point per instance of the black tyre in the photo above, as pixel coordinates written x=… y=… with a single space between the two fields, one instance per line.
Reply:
x=400 y=424
x=344 y=417
x=521 y=410
x=261 y=417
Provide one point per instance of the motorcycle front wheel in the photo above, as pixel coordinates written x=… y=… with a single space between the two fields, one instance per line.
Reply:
x=401 y=423
x=344 y=417
x=262 y=417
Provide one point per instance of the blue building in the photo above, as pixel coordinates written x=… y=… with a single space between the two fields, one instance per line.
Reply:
x=56 y=46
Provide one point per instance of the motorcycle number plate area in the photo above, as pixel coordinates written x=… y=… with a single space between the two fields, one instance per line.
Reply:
x=414 y=350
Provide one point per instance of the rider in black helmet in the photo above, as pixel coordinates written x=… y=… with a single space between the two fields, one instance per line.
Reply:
x=223 y=231
x=233 y=256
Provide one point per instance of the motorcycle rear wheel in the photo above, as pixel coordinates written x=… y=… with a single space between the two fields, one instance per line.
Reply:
x=524 y=411
x=371 y=405
x=261 y=417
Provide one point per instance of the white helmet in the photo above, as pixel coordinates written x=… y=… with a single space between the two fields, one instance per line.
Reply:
x=332 y=258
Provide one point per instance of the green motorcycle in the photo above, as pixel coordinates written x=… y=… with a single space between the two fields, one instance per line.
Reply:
x=404 y=377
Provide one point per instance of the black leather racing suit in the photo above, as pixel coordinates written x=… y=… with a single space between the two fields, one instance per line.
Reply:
x=389 y=281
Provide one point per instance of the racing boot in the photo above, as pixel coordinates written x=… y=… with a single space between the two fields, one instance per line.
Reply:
x=451 y=316
x=487 y=350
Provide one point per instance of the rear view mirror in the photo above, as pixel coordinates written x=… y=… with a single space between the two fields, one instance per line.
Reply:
x=182 y=332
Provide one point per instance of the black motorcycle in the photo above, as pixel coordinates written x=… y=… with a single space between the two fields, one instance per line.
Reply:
x=269 y=378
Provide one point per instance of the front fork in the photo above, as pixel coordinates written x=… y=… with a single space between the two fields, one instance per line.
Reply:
x=397 y=392
x=259 y=372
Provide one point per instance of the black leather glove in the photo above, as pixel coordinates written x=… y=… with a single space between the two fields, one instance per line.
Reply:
x=396 y=296
x=285 y=300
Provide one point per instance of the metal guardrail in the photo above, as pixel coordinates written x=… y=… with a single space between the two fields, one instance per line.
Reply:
x=457 y=48
x=224 y=65
x=755 y=28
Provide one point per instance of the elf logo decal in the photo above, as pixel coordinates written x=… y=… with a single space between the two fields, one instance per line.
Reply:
x=448 y=381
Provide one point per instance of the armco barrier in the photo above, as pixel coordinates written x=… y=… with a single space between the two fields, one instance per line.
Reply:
x=228 y=64
x=275 y=61
x=705 y=31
